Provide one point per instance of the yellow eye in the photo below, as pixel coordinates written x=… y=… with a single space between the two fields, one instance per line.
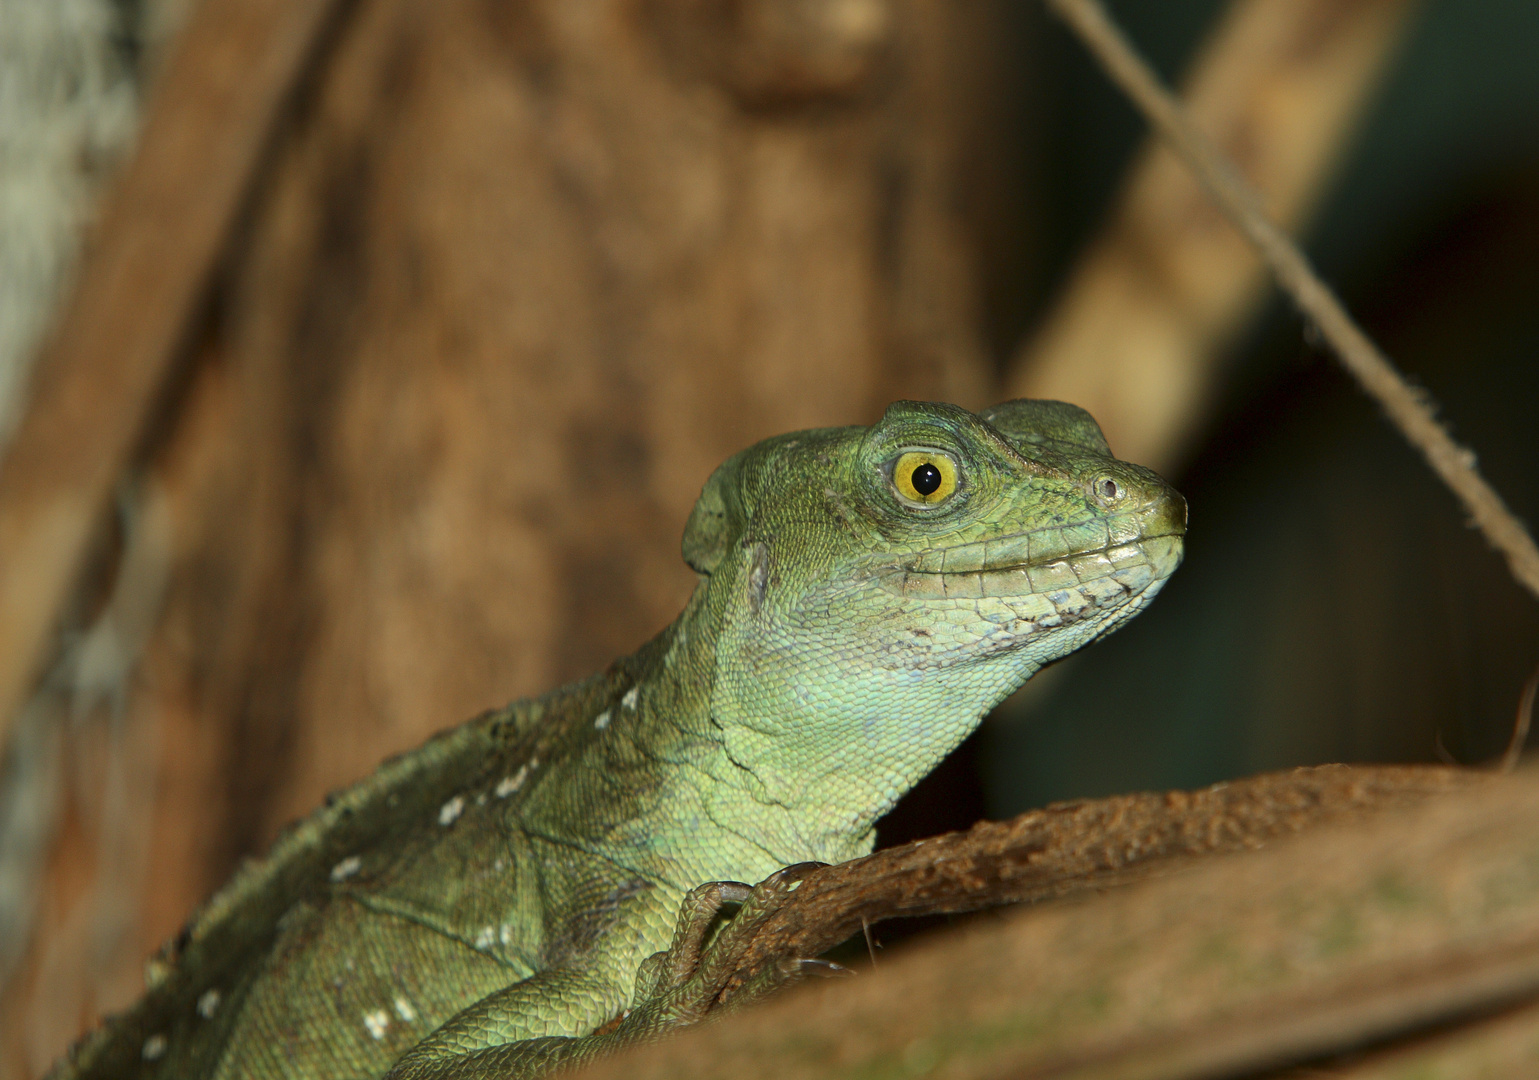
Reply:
x=925 y=477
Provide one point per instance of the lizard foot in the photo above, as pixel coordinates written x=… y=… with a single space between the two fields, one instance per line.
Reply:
x=685 y=984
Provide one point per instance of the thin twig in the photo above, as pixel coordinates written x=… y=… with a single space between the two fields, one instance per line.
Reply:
x=1508 y=759
x=1408 y=408
x=1520 y=727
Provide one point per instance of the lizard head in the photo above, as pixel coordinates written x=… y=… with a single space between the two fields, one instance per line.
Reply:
x=879 y=589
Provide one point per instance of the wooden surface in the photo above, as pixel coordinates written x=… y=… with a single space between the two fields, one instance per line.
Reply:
x=1077 y=847
x=1372 y=930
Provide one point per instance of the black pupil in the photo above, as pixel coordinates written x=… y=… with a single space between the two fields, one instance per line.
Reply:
x=926 y=479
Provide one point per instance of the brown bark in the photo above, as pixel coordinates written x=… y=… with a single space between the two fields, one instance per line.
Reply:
x=1072 y=848
x=1367 y=931
x=162 y=232
x=1500 y=1047
x=515 y=279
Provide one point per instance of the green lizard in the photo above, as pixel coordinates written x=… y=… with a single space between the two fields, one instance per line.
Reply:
x=526 y=890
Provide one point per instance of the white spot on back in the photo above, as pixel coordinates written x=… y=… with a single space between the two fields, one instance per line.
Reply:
x=208 y=1004
x=505 y=933
x=404 y=1010
x=629 y=700
x=486 y=937
x=346 y=868
x=154 y=1048
x=156 y=972
x=603 y=720
x=377 y=1023
x=450 y=811
x=509 y=784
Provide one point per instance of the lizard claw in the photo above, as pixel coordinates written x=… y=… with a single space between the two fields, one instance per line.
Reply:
x=793 y=874
x=814 y=965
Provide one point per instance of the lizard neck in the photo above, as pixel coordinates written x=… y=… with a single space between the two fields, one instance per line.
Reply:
x=820 y=773
x=771 y=771
x=653 y=783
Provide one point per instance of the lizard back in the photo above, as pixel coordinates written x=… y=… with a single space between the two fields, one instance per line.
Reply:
x=370 y=847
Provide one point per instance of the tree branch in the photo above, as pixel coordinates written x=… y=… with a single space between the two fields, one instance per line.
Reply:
x=1382 y=927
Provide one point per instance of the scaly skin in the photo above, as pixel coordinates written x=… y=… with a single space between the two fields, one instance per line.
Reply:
x=481 y=907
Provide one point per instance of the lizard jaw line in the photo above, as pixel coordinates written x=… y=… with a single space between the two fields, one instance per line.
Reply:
x=1133 y=566
x=1039 y=547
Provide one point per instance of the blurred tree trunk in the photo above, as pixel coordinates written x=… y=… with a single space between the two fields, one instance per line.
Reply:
x=515 y=280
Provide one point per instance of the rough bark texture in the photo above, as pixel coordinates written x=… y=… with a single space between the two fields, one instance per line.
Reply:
x=1074 y=847
x=515 y=279
x=1342 y=937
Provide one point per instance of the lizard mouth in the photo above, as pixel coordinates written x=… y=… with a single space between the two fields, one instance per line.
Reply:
x=1117 y=557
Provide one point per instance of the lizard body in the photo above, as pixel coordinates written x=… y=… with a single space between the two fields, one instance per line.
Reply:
x=486 y=904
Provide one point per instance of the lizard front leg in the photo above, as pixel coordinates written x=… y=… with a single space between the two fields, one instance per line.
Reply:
x=494 y=1037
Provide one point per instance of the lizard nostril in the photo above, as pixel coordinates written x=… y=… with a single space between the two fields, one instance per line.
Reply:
x=1108 y=489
